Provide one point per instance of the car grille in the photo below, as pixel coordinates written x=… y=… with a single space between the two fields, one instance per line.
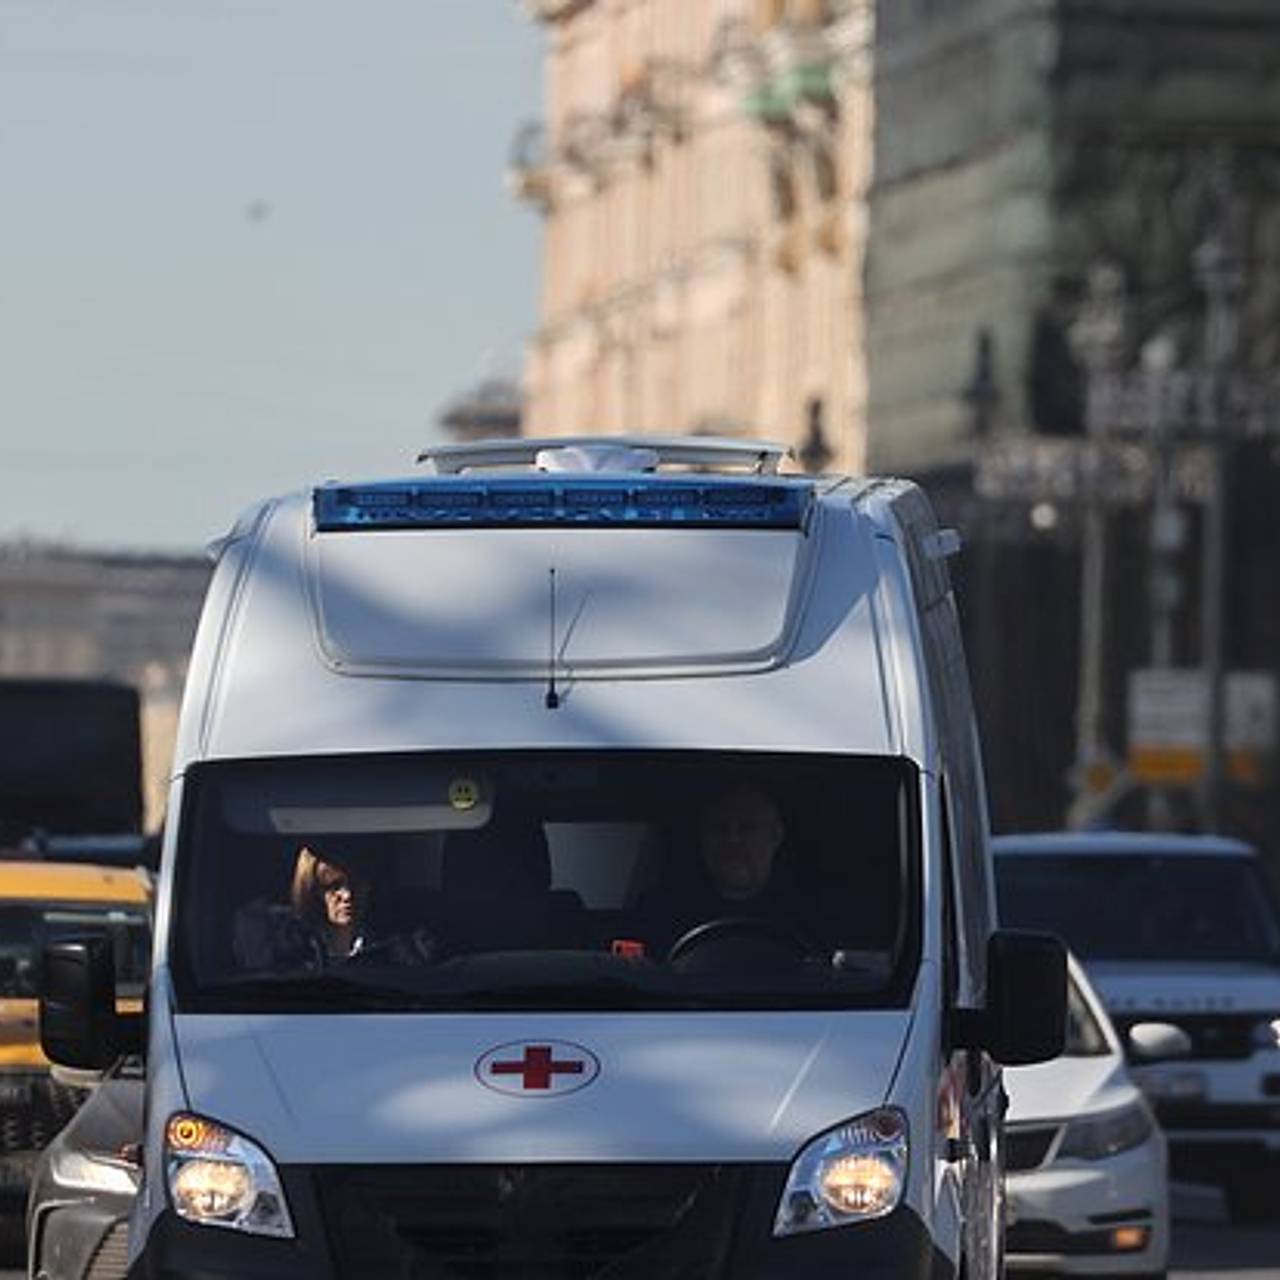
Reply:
x=537 y=1222
x=1026 y=1148
x=1217 y=1115
x=1220 y=1037
x=32 y=1126
x=111 y=1260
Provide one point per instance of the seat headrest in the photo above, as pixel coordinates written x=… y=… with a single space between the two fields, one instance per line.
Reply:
x=507 y=856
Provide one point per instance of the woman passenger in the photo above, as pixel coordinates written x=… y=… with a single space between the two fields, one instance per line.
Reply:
x=332 y=901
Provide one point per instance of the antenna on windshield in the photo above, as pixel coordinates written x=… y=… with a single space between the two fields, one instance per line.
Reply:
x=553 y=697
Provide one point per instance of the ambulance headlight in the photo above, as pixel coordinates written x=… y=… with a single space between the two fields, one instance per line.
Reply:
x=851 y=1174
x=218 y=1178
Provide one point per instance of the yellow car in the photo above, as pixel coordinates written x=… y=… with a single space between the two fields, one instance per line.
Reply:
x=42 y=902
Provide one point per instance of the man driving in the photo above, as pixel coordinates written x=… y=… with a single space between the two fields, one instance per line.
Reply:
x=740 y=831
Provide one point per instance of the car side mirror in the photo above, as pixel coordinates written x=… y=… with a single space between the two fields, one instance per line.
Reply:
x=1158 y=1041
x=79 y=1025
x=1025 y=1018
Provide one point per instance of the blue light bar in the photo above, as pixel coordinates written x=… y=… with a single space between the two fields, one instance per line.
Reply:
x=518 y=503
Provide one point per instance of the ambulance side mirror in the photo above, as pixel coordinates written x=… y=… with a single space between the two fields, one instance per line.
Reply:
x=1025 y=1017
x=1026 y=997
x=79 y=1026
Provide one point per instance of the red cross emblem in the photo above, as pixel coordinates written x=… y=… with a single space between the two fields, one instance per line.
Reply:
x=549 y=1068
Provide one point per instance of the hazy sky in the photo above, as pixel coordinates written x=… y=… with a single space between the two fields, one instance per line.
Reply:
x=246 y=245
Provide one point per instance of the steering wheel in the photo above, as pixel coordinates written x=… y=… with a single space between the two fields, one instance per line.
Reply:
x=712 y=931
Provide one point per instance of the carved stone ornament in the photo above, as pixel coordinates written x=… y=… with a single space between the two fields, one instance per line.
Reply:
x=1149 y=209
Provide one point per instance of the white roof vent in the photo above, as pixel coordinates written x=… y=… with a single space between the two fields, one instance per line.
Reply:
x=579 y=458
x=760 y=457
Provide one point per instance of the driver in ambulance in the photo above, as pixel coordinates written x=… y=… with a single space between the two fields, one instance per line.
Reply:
x=740 y=831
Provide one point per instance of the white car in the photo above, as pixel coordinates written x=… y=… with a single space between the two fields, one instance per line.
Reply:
x=1177 y=929
x=1085 y=1161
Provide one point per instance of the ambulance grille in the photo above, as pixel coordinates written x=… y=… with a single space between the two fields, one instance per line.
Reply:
x=111 y=1261
x=535 y=1222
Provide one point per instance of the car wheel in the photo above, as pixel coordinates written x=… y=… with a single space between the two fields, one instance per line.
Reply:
x=13 y=1241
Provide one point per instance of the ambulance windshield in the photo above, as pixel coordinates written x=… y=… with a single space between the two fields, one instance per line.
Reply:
x=548 y=880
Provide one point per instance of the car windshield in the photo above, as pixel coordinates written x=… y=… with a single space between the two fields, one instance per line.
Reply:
x=26 y=928
x=547 y=880
x=1143 y=906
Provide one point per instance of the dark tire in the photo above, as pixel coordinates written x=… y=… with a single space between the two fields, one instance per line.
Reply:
x=13 y=1240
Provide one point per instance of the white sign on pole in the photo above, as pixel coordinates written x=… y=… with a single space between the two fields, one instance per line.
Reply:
x=1169 y=724
x=1251 y=711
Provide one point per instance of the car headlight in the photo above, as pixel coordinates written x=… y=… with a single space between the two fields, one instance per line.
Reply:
x=84 y=1172
x=851 y=1174
x=218 y=1178
x=1097 y=1137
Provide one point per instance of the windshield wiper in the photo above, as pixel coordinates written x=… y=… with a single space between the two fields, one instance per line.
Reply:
x=310 y=991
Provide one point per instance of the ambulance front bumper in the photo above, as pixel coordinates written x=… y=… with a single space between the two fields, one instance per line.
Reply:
x=632 y=1222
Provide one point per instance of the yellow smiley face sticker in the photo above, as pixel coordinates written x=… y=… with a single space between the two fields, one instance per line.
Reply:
x=464 y=794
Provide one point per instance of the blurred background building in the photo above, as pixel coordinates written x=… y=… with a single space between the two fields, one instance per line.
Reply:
x=868 y=230
x=1026 y=253
x=66 y=613
x=702 y=169
x=1017 y=143
x=1019 y=146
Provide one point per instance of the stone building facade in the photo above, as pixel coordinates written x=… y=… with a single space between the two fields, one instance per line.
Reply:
x=130 y=618
x=1018 y=143
x=701 y=170
x=870 y=238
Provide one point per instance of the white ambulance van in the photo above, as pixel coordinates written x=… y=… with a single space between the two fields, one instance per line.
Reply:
x=577 y=867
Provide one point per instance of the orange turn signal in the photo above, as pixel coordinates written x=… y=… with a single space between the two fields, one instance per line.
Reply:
x=1130 y=1239
x=191 y=1133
